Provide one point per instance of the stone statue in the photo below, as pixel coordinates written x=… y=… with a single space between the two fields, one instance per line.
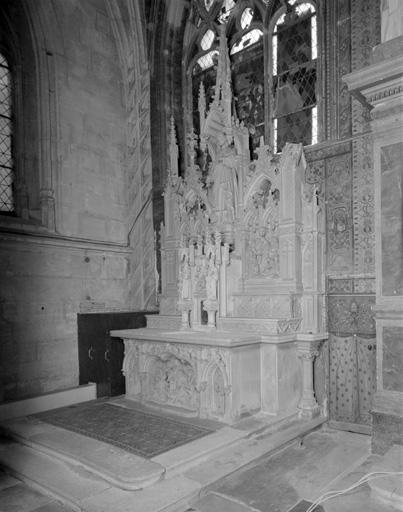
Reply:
x=219 y=393
x=224 y=182
x=211 y=280
x=184 y=278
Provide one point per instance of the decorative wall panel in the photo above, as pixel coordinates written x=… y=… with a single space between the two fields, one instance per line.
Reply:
x=340 y=286
x=351 y=285
x=339 y=214
x=351 y=314
x=315 y=175
x=363 y=205
x=364 y=285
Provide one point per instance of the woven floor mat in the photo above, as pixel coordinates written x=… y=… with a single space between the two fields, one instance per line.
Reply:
x=144 y=434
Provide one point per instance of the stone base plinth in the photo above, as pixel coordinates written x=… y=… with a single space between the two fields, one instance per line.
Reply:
x=309 y=413
x=387 y=430
x=281 y=374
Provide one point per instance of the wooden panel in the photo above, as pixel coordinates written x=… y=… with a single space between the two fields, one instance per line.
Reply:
x=100 y=356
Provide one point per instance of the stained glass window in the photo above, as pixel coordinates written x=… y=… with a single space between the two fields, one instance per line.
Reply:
x=275 y=90
x=6 y=160
x=246 y=17
x=225 y=11
x=294 y=53
x=207 y=40
x=247 y=40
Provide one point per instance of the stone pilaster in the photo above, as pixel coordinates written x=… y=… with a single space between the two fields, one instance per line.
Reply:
x=308 y=350
x=185 y=306
x=211 y=306
x=380 y=87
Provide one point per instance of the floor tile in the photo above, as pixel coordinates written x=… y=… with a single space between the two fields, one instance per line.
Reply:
x=20 y=498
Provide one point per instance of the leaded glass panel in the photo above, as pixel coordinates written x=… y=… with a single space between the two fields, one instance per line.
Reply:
x=248 y=81
x=6 y=159
x=294 y=47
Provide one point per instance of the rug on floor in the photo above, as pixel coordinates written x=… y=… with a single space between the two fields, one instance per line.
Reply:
x=144 y=434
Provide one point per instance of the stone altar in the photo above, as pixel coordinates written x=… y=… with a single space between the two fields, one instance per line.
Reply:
x=241 y=309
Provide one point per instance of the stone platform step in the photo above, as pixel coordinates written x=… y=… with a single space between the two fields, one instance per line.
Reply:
x=215 y=502
x=216 y=470
x=110 y=463
x=91 y=476
x=83 y=491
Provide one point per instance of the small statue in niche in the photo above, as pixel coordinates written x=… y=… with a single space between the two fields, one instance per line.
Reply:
x=273 y=264
x=211 y=280
x=223 y=180
x=219 y=392
x=184 y=278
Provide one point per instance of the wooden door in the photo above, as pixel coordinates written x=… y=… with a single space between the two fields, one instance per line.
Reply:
x=351 y=353
x=100 y=356
x=352 y=382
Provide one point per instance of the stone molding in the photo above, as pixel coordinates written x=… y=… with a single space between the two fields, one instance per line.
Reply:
x=373 y=84
x=164 y=322
x=268 y=326
x=266 y=306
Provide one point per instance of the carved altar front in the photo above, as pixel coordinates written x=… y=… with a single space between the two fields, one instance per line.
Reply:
x=216 y=377
x=242 y=286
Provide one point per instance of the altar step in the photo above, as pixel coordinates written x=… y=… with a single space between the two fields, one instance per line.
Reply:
x=90 y=476
x=114 y=465
x=83 y=491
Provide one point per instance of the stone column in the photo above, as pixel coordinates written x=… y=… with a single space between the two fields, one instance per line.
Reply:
x=308 y=349
x=211 y=306
x=185 y=306
x=380 y=87
x=143 y=383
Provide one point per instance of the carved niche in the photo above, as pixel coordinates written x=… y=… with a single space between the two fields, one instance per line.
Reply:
x=261 y=236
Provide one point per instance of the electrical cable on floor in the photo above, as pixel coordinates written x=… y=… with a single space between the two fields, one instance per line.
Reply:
x=333 y=494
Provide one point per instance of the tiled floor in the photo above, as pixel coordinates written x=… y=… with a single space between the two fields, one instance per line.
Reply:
x=15 y=496
x=327 y=460
x=287 y=481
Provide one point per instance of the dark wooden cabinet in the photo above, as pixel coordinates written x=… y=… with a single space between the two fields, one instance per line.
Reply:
x=100 y=356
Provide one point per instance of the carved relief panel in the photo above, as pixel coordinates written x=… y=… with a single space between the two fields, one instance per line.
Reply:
x=339 y=215
x=172 y=381
x=261 y=236
x=195 y=380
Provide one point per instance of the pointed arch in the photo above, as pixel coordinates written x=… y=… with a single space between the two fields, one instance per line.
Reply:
x=29 y=30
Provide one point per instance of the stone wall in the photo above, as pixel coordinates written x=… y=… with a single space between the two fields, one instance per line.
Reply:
x=91 y=184
x=94 y=176
x=44 y=286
